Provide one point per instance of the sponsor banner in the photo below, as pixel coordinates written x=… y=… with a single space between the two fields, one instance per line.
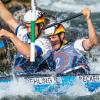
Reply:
x=89 y=78
x=63 y=79
x=42 y=80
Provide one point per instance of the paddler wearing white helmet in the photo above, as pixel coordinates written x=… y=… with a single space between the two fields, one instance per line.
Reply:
x=20 y=36
x=23 y=31
x=17 y=27
x=75 y=52
x=56 y=35
x=40 y=21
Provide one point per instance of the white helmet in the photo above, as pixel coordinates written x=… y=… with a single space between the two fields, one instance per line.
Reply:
x=49 y=31
x=27 y=16
x=55 y=30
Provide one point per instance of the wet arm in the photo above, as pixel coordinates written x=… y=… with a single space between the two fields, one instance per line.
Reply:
x=23 y=48
x=92 y=39
x=42 y=45
x=7 y=17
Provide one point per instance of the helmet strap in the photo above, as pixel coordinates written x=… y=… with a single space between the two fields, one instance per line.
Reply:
x=39 y=30
x=61 y=41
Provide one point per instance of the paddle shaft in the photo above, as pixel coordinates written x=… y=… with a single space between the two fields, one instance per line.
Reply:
x=64 y=20
x=32 y=44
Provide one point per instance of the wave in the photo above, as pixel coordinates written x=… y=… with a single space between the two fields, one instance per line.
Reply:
x=69 y=5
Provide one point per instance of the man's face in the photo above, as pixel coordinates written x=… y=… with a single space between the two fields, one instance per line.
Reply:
x=28 y=28
x=55 y=41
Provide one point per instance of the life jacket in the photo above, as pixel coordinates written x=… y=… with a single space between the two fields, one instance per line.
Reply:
x=24 y=66
x=22 y=34
x=68 y=59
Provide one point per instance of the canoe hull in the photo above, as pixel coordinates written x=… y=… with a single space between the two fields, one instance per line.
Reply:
x=55 y=85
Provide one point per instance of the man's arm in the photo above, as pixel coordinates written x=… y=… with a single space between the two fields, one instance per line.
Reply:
x=7 y=17
x=92 y=39
x=23 y=48
x=42 y=45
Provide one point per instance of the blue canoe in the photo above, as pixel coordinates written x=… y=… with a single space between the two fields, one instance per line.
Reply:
x=48 y=84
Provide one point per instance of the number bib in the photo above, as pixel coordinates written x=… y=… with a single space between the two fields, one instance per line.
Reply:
x=63 y=61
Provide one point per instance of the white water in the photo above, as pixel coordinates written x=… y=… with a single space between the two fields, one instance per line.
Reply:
x=69 y=5
x=74 y=91
x=16 y=87
x=94 y=61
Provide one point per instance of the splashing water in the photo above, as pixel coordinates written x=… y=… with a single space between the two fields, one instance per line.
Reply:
x=69 y=5
x=94 y=60
x=16 y=87
x=78 y=86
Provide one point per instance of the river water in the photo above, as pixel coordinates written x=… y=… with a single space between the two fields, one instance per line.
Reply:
x=78 y=27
